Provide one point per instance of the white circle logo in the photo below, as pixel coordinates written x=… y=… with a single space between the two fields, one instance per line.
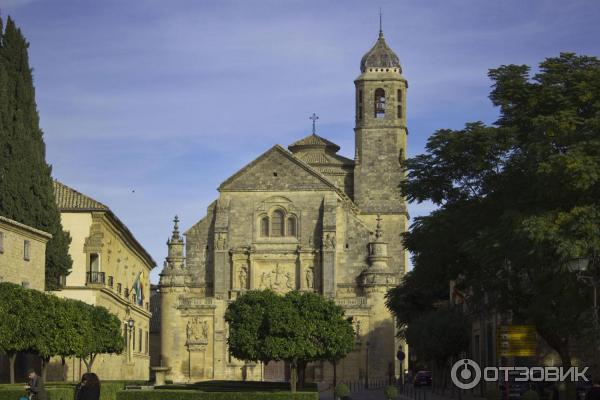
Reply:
x=465 y=374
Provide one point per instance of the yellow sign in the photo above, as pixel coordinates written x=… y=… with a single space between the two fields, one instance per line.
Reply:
x=517 y=341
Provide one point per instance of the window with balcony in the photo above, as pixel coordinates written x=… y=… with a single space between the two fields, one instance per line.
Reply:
x=110 y=281
x=1 y=242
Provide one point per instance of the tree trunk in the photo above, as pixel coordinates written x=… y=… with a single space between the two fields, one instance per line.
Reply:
x=334 y=362
x=302 y=374
x=565 y=358
x=45 y=362
x=12 y=357
x=63 y=364
x=89 y=363
x=293 y=375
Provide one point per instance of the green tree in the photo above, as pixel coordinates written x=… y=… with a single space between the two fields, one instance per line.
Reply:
x=103 y=335
x=17 y=328
x=438 y=336
x=26 y=193
x=518 y=200
x=296 y=328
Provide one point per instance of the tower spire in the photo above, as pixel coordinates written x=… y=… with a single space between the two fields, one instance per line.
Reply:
x=380 y=23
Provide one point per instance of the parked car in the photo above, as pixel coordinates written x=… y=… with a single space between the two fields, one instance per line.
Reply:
x=422 y=378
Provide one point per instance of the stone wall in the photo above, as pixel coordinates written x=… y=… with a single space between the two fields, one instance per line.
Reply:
x=17 y=265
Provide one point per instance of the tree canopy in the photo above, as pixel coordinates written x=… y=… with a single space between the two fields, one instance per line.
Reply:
x=43 y=324
x=26 y=193
x=296 y=328
x=516 y=200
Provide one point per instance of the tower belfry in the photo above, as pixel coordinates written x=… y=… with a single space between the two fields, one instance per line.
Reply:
x=380 y=130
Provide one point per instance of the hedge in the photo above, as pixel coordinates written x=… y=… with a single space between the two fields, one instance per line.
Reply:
x=58 y=393
x=239 y=386
x=167 y=394
x=108 y=389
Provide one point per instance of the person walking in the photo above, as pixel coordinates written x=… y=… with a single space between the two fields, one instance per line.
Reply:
x=35 y=386
x=88 y=388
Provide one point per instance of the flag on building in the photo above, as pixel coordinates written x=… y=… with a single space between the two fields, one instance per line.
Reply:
x=139 y=290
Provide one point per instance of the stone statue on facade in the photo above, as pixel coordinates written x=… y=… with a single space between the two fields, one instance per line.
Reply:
x=329 y=241
x=288 y=281
x=310 y=278
x=221 y=241
x=243 y=277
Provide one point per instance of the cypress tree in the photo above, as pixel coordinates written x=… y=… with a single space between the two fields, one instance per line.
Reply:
x=26 y=188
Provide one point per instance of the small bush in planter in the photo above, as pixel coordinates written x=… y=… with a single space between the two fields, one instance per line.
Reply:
x=390 y=392
x=341 y=391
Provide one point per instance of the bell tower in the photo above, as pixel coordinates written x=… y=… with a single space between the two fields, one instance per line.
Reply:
x=380 y=131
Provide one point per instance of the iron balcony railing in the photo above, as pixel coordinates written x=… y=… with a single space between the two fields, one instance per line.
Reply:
x=96 y=277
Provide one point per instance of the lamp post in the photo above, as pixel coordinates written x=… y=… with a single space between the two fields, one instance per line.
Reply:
x=580 y=266
x=585 y=274
x=367 y=368
x=131 y=326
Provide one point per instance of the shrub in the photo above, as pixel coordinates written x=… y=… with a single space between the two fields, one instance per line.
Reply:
x=58 y=393
x=238 y=386
x=167 y=394
x=530 y=395
x=341 y=390
x=390 y=392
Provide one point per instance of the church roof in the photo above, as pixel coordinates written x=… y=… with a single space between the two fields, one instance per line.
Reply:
x=68 y=199
x=313 y=140
x=241 y=181
x=314 y=149
x=380 y=56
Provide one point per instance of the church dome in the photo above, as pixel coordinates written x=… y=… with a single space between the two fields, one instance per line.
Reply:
x=380 y=56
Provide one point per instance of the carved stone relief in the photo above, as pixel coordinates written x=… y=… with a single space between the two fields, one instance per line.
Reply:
x=197 y=331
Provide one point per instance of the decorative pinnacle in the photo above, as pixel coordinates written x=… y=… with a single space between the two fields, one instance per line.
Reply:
x=380 y=23
x=176 y=227
x=378 y=231
x=314 y=118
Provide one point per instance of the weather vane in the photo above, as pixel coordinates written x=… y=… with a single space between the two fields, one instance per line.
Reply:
x=314 y=119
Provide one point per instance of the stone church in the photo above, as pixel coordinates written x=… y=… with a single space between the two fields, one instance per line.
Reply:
x=302 y=218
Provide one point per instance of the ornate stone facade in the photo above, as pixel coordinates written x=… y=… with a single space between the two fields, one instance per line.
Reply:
x=302 y=219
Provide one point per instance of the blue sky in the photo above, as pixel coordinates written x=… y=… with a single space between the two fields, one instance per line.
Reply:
x=169 y=98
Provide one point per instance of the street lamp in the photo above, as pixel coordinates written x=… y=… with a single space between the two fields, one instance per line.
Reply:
x=130 y=323
x=580 y=266
x=367 y=368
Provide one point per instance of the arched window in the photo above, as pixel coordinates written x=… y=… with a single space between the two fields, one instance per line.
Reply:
x=277 y=224
x=291 y=226
x=379 y=103
x=264 y=226
x=399 y=103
